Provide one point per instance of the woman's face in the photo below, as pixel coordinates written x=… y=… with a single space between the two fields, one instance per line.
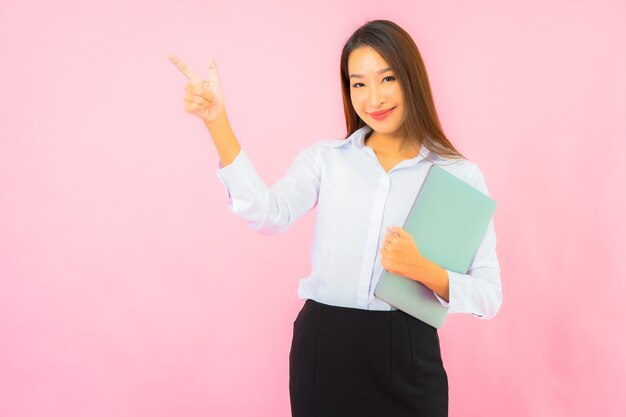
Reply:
x=374 y=87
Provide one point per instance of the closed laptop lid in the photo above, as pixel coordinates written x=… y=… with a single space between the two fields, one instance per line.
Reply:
x=448 y=221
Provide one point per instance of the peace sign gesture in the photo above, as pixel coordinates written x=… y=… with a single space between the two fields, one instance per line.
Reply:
x=202 y=98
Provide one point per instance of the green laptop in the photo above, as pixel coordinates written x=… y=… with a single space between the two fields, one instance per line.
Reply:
x=448 y=221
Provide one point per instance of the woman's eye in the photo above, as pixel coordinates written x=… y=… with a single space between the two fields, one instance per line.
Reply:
x=355 y=85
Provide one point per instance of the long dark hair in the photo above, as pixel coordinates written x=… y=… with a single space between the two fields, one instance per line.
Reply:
x=397 y=47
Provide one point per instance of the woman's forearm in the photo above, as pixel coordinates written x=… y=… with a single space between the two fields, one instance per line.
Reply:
x=435 y=278
x=224 y=139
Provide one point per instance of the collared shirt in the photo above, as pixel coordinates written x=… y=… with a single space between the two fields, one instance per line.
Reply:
x=356 y=201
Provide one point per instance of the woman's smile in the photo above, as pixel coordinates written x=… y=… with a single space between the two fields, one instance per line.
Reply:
x=381 y=114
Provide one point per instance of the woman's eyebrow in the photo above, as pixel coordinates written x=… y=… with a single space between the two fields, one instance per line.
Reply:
x=379 y=72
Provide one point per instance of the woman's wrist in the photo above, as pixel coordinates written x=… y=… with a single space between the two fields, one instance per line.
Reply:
x=433 y=276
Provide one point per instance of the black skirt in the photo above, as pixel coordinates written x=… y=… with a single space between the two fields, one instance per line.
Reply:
x=348 y=362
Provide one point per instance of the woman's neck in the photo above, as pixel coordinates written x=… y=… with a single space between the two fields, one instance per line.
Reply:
x=391 y=144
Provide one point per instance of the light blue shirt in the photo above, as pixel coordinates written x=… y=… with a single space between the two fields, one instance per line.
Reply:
x=356 y=201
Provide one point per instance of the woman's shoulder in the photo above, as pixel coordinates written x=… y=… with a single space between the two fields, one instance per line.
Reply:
x=332 y=143
x=462 y=168
x=320 y=148
x=357 y=136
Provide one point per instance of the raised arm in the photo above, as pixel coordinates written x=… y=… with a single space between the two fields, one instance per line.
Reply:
x=205 y=100
x=268 y=210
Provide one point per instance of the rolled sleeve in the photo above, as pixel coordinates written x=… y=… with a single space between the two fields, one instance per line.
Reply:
x=229 y=176
x=239 y=177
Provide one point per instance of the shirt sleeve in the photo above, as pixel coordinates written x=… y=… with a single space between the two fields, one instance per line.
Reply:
x=480 y=291
x=271 y=210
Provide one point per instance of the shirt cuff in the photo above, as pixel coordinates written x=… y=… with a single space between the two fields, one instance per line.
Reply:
x=236 y=176
x=460 y=302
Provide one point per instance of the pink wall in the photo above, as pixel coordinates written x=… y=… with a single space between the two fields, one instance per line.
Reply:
x=127 y=288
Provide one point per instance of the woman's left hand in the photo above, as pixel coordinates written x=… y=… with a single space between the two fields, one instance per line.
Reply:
x=400 y=255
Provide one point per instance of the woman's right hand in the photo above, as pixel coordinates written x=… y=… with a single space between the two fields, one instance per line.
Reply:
x=202 y=98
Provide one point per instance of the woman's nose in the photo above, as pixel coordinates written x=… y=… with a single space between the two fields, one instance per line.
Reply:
x=375 y=96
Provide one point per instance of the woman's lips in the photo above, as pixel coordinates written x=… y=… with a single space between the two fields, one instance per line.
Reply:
x=381 y=115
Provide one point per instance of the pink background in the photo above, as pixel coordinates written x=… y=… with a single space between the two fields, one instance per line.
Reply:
x=123 y=274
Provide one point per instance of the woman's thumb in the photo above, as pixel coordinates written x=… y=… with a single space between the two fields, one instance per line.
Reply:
x=213 y=78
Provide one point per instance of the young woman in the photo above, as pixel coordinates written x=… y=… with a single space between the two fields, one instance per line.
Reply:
x=352 y=354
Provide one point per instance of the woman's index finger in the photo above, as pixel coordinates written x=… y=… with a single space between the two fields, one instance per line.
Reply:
x=184 y=69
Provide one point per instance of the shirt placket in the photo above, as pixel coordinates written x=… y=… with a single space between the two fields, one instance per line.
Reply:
x=373 y=234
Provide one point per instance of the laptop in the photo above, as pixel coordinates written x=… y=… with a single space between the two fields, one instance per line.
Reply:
x=448 y=221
